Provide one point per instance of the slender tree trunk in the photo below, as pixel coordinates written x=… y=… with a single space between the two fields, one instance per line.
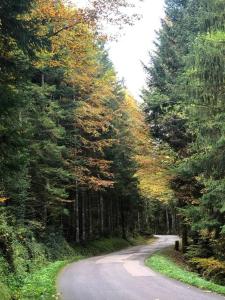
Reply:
x=77 y=214
x=109 y=217
x=83 y=217
x=184 y=238
x=112 y=216
x=146 y=217
x=74 y=217
x=157 y=225
x=167 y=221
x=173 y=216
x=117 y=217
x=90 y=217
x=102 y=213
x=42 y=79
x=99 y=215
x=138 y=222
x=123 y=221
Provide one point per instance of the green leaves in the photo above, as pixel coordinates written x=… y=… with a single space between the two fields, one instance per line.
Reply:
x=185 y=103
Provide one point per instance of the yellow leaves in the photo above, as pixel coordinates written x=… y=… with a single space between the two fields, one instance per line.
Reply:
x=73 y=43
x=209 y=266
x=56 y=14
x=153 y=174
x=3 y=199
x=155 y=185
x=93 y=119
x=153 y=161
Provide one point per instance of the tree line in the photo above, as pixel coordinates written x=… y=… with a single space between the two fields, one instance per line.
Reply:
x=76 y=159
x=184 y=101
x=80 y=159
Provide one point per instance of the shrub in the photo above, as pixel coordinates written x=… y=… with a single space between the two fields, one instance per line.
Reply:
x=210 y=268
x=201 y=249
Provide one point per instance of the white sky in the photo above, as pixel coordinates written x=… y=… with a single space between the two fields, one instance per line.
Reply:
x=135 y=44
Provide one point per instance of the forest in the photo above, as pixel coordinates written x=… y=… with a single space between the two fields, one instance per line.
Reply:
x=81 y=160
x=184 y=107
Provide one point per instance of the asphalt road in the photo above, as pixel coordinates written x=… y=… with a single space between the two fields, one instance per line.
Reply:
x=123 y=276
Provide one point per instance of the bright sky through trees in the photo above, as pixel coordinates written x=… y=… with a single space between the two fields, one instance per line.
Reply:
x=135 y=43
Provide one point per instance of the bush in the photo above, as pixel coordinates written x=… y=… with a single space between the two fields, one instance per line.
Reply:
x=198 y=250
x=210 y=268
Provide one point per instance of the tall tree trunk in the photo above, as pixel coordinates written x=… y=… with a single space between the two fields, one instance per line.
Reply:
x=138 y=222
x=117 y=217
x=77 y=214
x=184 y=238
x=101 y=213
x=124 y=236
x=90 y=216
x=83 y=217
x=146 y=217
x=42 y=79
x=173 y=216
x=167 y=221
x=110 y=216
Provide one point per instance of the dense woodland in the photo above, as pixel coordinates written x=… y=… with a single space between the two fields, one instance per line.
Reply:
x=76 y=160
x=184 y=104
x=81 y=160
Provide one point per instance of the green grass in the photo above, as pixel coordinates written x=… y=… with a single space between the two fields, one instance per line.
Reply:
x=42 y=284
x=164 y=264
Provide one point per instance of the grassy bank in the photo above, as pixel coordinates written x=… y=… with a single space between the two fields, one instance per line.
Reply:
x=41 y=284
x=170 y=263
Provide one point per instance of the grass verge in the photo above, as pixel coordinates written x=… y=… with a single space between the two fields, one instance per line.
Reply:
x=166 y=263
x=42 y=284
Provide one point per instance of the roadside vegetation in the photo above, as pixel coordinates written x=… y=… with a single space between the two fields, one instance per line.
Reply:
x=173 y=265
x=74 y=145
x=185 y=104
x=81 y=160
x=41 y=282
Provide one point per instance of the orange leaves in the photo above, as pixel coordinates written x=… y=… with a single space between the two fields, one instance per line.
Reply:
x=93 y=120
x=56 y=16
x=72 y=41
x=75 y=53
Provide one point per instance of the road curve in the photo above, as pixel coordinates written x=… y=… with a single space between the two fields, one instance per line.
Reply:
x=123 y=276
